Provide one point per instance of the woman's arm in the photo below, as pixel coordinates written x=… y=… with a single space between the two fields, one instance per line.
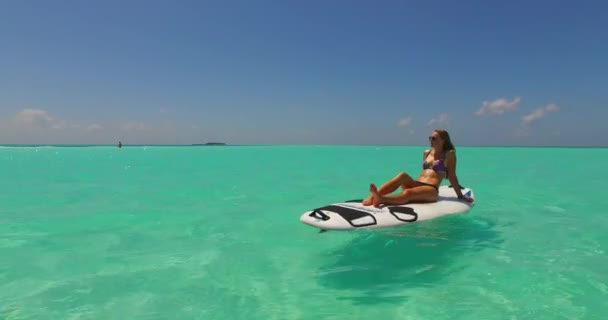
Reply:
x=451 y=168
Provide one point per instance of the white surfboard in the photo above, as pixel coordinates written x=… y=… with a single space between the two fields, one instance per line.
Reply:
x=353 y=214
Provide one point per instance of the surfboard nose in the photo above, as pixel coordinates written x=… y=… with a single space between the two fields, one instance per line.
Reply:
x=338 y=217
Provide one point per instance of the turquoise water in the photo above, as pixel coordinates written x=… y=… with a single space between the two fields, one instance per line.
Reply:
x=213 y=233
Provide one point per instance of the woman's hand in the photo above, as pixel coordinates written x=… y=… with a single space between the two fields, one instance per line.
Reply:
x=469 y=199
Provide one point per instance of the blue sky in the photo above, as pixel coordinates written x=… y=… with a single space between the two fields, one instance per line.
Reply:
x=303 y=72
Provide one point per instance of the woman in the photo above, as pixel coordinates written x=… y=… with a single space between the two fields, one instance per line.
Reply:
x=438 y=163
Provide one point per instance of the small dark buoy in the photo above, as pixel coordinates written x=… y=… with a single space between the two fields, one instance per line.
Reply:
x=119 y=144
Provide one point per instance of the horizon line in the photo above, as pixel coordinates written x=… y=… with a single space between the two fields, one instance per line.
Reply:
x=288 y=144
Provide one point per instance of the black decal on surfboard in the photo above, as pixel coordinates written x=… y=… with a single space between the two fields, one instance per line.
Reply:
x=356 y=200
x=318 y=214
x=349 y=214
x=461 y=187
x=395 y=211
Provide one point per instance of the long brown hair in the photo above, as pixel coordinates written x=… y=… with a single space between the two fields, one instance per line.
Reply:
x=447 y=142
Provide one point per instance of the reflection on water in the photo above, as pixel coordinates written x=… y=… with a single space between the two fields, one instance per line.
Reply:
x=383 y=261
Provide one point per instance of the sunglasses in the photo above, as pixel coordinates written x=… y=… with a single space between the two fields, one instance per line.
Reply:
x=431 y=138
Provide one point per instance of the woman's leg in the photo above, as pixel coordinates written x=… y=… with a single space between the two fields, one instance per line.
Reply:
x=402 y=180
x=416 y=194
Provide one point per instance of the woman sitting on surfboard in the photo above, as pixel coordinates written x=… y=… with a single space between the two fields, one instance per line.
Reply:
x=438 y=163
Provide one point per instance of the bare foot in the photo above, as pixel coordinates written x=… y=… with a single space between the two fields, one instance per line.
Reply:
x=368 y=201
x=377 y=197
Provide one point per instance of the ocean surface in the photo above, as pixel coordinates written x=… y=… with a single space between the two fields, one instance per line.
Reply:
x=162 y=232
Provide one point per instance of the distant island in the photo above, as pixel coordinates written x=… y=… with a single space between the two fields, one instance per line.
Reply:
x=210 y=144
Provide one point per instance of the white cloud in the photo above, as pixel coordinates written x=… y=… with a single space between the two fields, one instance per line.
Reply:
x=404 y=122
x=33 y=118
x=29 y=119
x=59 y=124
x=552 y=108
x=133 y=126
x=442 y=119
x=538 y=114
x=499 y=106
x=94 y=127
x=39 y=126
